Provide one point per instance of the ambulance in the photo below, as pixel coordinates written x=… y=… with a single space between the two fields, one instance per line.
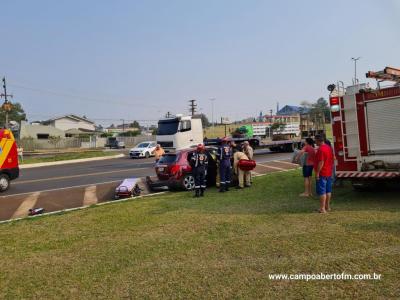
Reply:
x=9 y=169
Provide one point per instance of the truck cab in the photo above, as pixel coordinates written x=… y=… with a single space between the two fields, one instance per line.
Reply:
x=9 y=168
x=179 y=132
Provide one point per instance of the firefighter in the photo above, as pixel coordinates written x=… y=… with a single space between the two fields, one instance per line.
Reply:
x=199 y=163
x=224 y=158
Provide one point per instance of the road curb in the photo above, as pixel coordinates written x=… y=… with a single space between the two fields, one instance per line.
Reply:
x=71 y=161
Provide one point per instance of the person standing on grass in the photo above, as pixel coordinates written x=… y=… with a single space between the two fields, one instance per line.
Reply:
x=224 y=156
x=248 y=150
x=323 y=173
x=243 y=176
x=309 y=151
x=199 y=164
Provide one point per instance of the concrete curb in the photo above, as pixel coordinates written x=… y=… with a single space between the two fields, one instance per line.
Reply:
x=71 y=161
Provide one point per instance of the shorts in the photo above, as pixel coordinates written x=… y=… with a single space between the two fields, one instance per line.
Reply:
x=324 y=185
x=307 y=171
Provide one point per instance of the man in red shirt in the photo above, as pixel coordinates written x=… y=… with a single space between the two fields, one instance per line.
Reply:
x=323 y=173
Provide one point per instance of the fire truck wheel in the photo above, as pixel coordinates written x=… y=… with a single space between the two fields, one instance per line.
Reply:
x=4 y=182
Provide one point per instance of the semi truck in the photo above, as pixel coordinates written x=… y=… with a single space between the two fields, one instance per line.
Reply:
x=181 y=132
x=366 y=129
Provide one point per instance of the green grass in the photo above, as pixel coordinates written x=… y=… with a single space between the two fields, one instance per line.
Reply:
x=67 y=156
x=222 y=246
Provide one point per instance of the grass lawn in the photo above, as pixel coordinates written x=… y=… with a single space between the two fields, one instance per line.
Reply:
x=222 y=246
x=67 y=156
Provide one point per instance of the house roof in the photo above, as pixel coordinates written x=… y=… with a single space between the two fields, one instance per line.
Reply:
x=293 y=109
x=73 y=117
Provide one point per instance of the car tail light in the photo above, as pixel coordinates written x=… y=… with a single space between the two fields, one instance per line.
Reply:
x=175 y=169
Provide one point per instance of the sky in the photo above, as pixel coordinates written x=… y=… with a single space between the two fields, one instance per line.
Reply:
x=137 y=60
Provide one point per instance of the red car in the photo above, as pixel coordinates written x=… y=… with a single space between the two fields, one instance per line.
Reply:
x=173 y=169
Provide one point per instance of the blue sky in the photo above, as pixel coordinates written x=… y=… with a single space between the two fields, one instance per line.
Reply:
x=110 y=60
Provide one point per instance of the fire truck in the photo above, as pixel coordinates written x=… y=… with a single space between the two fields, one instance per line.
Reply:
x=366 y=129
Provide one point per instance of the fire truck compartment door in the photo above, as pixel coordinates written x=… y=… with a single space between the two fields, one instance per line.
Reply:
x=383 y=125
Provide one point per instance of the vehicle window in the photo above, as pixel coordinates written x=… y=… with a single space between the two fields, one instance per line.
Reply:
x=167 y=159
x=167 y=127
x=142 y=145
x=185 y=125
x=152 y=144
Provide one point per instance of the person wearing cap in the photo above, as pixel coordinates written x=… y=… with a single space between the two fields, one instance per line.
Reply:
x=224 y=156
x=199 y=164
x=158 y=152
x=323 y=173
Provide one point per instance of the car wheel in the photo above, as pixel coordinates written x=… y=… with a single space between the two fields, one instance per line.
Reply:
x=4 y=182
x=188 y=182
x=147 y=155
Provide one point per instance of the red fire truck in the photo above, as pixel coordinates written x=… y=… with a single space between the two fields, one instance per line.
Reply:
x=366 y=129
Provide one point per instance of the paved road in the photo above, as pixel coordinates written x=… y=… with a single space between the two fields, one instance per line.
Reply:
x=69 y=175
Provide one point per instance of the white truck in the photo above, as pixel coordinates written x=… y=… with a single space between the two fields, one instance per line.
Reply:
x=179 y=132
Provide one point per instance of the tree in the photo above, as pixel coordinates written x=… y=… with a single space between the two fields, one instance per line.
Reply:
x=134 y=124
x=321 y=107
x=16 y=114
x=130 y=133
x=154 y=131
x=205 y=121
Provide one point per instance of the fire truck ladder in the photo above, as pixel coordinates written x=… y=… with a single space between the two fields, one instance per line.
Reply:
x=387 y=74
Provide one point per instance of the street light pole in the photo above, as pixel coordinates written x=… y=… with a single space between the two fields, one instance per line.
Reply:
x=355 y=69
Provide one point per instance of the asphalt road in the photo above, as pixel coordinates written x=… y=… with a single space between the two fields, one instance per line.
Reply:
x=109 y=170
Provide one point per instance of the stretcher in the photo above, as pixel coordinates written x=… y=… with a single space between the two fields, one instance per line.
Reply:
x=247 y=164
x=128 y=188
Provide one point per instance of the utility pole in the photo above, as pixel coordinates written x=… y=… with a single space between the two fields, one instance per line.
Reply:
x=355 y=69
x=7 y=106
x=192 y=107
x=123 y=125
x=168 y=115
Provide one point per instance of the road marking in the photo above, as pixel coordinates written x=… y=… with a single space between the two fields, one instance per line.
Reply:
x=274 y=168
x=286 y=162
x=63 y=188
x=24 y=207
x=90 y=196
x=75 y=176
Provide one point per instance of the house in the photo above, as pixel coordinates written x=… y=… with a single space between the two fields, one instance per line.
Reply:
x=69 y=122
x=289 y=110
x=40 y=132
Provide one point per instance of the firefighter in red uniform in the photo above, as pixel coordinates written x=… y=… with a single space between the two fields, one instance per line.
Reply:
x=199 y=164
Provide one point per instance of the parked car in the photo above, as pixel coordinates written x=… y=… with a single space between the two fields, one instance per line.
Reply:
x=173 y=169
x=144 y=149
x=113 y=143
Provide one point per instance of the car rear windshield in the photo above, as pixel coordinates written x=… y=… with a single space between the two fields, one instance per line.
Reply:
x=167 y=159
